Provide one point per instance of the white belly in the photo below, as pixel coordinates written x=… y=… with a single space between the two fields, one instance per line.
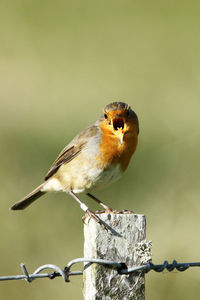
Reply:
x=84 y=180
x=107 y=177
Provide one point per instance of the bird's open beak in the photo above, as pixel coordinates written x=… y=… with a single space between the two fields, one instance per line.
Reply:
x=118 y=126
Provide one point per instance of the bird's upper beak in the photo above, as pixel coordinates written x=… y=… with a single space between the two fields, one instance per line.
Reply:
x=119 y=127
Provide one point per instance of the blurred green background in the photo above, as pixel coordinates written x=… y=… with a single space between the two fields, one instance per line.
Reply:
x=61 y=62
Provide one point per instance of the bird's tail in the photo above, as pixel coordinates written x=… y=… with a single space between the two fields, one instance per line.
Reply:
x=26 y=201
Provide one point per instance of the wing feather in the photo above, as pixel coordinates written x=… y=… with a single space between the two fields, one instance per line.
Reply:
x=73 y=149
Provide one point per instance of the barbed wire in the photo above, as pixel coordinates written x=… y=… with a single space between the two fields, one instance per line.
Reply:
x=120 y=268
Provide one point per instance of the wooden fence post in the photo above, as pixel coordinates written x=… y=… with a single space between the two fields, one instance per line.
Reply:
x=118 y=244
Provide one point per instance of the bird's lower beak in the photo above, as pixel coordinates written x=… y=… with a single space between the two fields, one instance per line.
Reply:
x=120 y=135
x=118 y=126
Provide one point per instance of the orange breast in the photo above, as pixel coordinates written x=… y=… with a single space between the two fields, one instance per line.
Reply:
x=113 y=152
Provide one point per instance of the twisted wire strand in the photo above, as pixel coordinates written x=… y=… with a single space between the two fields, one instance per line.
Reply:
x=121 y=268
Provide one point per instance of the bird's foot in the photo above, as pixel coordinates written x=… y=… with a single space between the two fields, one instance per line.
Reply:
x=93 y=215
x=107 y=210
x=114 y=211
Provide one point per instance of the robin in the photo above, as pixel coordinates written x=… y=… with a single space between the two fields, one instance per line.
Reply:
x=96 y=157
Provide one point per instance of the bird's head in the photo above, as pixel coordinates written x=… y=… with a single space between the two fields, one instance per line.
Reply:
x=120 y=120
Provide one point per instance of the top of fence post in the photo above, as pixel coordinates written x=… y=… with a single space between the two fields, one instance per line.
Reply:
x=118 y=243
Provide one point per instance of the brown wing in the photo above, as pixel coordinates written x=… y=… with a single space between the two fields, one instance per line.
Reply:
x=73 y=149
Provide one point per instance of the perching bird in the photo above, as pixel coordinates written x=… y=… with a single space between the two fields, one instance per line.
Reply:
x=96 y=157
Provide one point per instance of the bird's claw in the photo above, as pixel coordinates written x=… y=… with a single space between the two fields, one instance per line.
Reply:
x=92 y=215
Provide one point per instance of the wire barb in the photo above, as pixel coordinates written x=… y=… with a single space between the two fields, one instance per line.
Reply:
x=25 y=271
x=121 y=268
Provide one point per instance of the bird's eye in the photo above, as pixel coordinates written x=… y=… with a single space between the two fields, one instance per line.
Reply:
x=105 y=116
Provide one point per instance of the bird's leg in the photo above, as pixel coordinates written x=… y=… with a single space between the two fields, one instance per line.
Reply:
x=87 y=210
x=107 y=208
